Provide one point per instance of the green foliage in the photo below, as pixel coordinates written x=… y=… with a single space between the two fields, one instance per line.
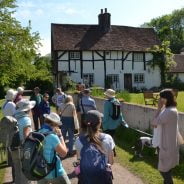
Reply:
x=170 y=28
x=17 y=49
x=163 y=57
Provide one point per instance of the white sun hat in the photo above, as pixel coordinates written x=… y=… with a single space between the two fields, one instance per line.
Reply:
x=10 y=94
x=110 y=93
x=20 y=89
x=25 y=105
x=53 y=117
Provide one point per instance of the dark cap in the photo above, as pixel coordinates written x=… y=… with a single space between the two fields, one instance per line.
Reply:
x=93 y=117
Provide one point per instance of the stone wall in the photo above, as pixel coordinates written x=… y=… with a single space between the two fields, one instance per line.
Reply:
x=140 y=116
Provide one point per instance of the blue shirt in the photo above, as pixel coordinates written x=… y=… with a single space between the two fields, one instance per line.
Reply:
x=86 y=104
x=50 y=144
x=44 y=107
x=23 y=122
x=108 y=122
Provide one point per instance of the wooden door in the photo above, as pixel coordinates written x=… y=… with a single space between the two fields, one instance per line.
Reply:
x=128 y=81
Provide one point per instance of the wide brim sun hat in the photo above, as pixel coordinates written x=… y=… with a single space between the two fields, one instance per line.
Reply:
x=53 y=117
x=110 y=93
x=20 y=89
x=10 y=94
x=25 y=105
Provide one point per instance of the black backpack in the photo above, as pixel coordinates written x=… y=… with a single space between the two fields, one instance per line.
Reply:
x=34 y=165
x=116 y=109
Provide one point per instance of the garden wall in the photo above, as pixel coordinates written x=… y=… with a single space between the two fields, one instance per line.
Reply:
x=139 y=116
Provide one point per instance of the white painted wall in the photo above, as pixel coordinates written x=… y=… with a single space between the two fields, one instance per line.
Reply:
x=152 y=76
x=140 y=116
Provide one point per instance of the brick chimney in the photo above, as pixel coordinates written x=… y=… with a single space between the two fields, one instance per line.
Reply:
x=104 y=21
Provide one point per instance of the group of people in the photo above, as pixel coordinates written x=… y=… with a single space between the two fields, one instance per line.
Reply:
x=80 y=113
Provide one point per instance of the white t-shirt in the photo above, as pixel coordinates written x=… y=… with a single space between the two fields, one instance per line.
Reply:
x=107 y=144
x=8 y=109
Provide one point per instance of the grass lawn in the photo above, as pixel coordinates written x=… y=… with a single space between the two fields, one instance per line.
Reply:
x=138 y=98
x=144 y=167
x=2 y=159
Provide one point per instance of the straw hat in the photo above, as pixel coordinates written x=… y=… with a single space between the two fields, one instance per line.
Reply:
x=53 y=117
x=110 y=93
x=10 y=94
x=25 y=105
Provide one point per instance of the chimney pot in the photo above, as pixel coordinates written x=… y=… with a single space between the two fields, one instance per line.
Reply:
x=101 y=11
x=105 y=10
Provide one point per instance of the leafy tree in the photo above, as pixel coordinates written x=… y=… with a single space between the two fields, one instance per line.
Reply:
x=170 y=28
x=163 y=58
x=17 y=49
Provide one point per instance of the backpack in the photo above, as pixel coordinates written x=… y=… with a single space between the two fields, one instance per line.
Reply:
x=34 y=165
x=9 y=132
x=116 y=109
x=93 y=165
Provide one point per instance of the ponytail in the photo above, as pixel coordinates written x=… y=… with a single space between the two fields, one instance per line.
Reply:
x=93 y=135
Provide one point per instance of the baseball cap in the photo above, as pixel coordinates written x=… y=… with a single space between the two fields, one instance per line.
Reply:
x=93 y=117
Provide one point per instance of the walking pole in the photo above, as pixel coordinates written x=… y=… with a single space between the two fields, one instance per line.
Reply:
x=125 y=124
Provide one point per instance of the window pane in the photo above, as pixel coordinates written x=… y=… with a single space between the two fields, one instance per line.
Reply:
x=138 y=57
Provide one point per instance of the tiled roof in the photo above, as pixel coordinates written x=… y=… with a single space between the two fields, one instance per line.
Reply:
x=90 y=37
x=179 y=59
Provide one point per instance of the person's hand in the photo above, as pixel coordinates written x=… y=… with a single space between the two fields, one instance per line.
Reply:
x=160 y=104
x=57 y=130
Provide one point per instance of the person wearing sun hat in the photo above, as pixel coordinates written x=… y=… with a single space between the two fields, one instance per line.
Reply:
x=8 y=108
x=54 y=142
x=22 y=114
x=18 y=97
x=110 y=125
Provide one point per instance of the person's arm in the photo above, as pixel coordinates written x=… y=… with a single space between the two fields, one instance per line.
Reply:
x=111 y=157
x=27 y=131
x=61 y=148
x=106 y=112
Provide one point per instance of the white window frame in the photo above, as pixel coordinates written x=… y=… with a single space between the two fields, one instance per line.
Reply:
x=74 y=55
x=90 y=78
x=138 y=57
x=139 y=78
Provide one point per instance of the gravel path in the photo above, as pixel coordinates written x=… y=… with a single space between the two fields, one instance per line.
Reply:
x=121 y=174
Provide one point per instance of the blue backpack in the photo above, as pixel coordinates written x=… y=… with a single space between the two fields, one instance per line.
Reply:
x=93 y=165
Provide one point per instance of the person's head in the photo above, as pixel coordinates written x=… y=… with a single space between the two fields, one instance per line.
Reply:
x=167 y=97
x=10 y=95
x=110 y=93
x=52 y=119
x=68 y=99
x=58 y=90
x=36 y=90
x=46 y=97
x=92 y=124
x=20 y=90
x=86 y=92
x=81 y=87
x=25 y=105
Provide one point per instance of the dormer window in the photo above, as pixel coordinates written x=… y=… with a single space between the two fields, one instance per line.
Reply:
x=74 y=55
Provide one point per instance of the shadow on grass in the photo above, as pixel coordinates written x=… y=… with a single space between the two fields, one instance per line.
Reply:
x=3 y=165
x=126 y=138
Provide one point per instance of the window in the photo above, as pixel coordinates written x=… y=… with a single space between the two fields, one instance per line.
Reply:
x=74 y=55
x=139 y=78
x=112 y=81
x=138 y=57
x=88 y=79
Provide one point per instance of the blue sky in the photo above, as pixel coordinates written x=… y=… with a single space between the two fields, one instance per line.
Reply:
x=123 y=12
